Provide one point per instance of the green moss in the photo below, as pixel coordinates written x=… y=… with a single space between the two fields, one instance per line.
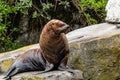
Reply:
x=5 y=65
x=106 y=75
x=32 y=78
x=99 y=59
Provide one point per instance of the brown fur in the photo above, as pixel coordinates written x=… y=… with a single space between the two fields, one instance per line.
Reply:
x=53 y=43
x=53 y=54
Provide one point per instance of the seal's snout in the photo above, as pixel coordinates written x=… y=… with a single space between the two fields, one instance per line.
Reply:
x=66 y=26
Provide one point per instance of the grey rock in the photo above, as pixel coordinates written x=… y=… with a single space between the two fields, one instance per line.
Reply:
x=53 y=75
x=113 y=11
x=96 y=51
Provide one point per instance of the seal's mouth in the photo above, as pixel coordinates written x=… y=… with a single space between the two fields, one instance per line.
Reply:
x=62 y=29
x=65 y=28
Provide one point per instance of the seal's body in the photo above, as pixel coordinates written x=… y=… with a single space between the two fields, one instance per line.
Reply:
x=53 y=53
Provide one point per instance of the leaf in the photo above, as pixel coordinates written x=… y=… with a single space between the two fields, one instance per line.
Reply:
x=34 y=15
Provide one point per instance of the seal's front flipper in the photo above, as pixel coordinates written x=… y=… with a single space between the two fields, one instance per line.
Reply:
x=66 y=68
x=47 y=69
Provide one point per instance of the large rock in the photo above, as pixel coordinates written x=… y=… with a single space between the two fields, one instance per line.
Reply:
x=94 y=49
x=113 y=11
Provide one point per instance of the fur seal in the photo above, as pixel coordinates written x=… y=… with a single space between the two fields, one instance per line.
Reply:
x=52 y=55
x=54 y=45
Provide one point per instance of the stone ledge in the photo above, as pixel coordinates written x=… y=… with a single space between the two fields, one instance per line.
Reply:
x=53 y=75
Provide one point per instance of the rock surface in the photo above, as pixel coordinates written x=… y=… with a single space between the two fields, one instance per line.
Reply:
x=94 y=49
x=53 y=75
x=113 y=11
x=97 y=52
x=92 y=32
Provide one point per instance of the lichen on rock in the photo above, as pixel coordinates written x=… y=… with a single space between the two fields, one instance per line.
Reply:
x=98 y=58
x=6 y=64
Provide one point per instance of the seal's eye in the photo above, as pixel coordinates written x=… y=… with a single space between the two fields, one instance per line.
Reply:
x=61 y=24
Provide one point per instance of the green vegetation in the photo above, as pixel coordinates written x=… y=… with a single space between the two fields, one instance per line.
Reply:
x=6 y=28
x=81 y=12
x=91 y=11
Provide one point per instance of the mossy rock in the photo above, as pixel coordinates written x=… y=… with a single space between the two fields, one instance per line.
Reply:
x=98 y=58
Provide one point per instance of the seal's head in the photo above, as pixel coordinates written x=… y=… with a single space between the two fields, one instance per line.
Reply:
x=57 y=26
